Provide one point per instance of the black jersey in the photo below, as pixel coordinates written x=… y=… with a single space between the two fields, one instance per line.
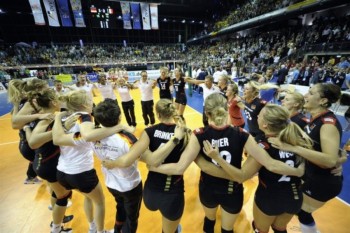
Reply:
x=300 y=120
x=280 y=183
x=48 y=150
x=252 y=111
x=179 y=86
x=164 y=88
x=313 y=129
x=160 y=134
x=230 y=141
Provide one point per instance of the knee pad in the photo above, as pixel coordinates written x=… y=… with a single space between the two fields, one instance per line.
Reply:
x=278 y=230
x=208 y=226
x=226 y=231
x=64 y=200
x=306 y=218
x=256 y=230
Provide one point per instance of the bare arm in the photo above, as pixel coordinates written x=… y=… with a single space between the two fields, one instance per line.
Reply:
x=194 y=81
x=90 y=133
x=59 y=137
x=156 y=157
x=24 y=116
x=188 y=155
x=39 y=136
x=210 y=168
x=330 y=140
x=250 y=167
x=129 y=158
x=275 y=166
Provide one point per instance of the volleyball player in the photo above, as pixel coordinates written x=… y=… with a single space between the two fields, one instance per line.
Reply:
x=319 y=185
x=278 y=197
x=24 y=112
x=214 y=191
x=165 y=142
x=179 y=87
x=47 y=155
x=165 y=84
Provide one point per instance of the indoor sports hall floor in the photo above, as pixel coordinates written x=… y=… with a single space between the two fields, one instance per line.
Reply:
x=24 y=208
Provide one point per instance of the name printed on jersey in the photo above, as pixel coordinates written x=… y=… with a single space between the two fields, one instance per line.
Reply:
x=222 y=142
x=285 y=154
x=162 y=134
x=329 y=120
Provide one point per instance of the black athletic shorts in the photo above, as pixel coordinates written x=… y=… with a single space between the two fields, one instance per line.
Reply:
x=171 y=205
x=181 y=100
x=274 y=202
x=47 y=170
x=230 y=202
x=84 y=182
x=323 y=190
x=26 y=151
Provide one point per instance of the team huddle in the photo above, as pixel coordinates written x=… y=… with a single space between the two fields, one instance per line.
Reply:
x=298 y=164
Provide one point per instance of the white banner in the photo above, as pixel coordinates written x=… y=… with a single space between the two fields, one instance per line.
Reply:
x=51 y=13
x=146 y=22
x=154 y=15
x=37 y=12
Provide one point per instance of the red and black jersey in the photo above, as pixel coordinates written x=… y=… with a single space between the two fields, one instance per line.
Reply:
x=230 y=140
x=164 y=88
x=300 y=120
x=48 y=150
x=313 y=130
x=269 y=179
x=251 y=111
x=160 y=134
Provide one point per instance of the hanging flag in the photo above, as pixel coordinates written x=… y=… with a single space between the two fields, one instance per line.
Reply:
x=51 y=13
x=37 y=12
x=126 y=15
x=135 y=11
x=154 y=15
x=63 y=9
x=78 y=13
x=146 y=23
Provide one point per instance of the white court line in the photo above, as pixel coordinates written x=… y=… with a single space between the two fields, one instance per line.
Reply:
x=341 y=200
x=6 y=143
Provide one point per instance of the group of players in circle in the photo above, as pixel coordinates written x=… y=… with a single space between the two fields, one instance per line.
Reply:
x=298 y=164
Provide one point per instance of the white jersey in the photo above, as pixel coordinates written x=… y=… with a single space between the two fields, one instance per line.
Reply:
x=88 y=88
x=121 y=179
x=78 y=158
x=106 y=91
x=124 y=93
x=208 y=91
x=146 y=90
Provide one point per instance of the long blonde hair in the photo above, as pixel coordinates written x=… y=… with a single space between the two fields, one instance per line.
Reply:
x=166 y=110
x=277 y=119
x=76 y=100
x=216 y=108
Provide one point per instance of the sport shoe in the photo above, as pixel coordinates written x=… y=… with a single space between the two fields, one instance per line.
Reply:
x=179 y=228
x=34 y=180
x=65 y=219
x=68 y=205
x=65 y=230
x=93 y=230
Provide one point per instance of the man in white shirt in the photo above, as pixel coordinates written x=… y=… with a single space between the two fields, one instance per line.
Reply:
x=146 y=87
x=208 y=89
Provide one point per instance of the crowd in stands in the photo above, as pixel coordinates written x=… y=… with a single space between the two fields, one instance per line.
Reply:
x=251 y=9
